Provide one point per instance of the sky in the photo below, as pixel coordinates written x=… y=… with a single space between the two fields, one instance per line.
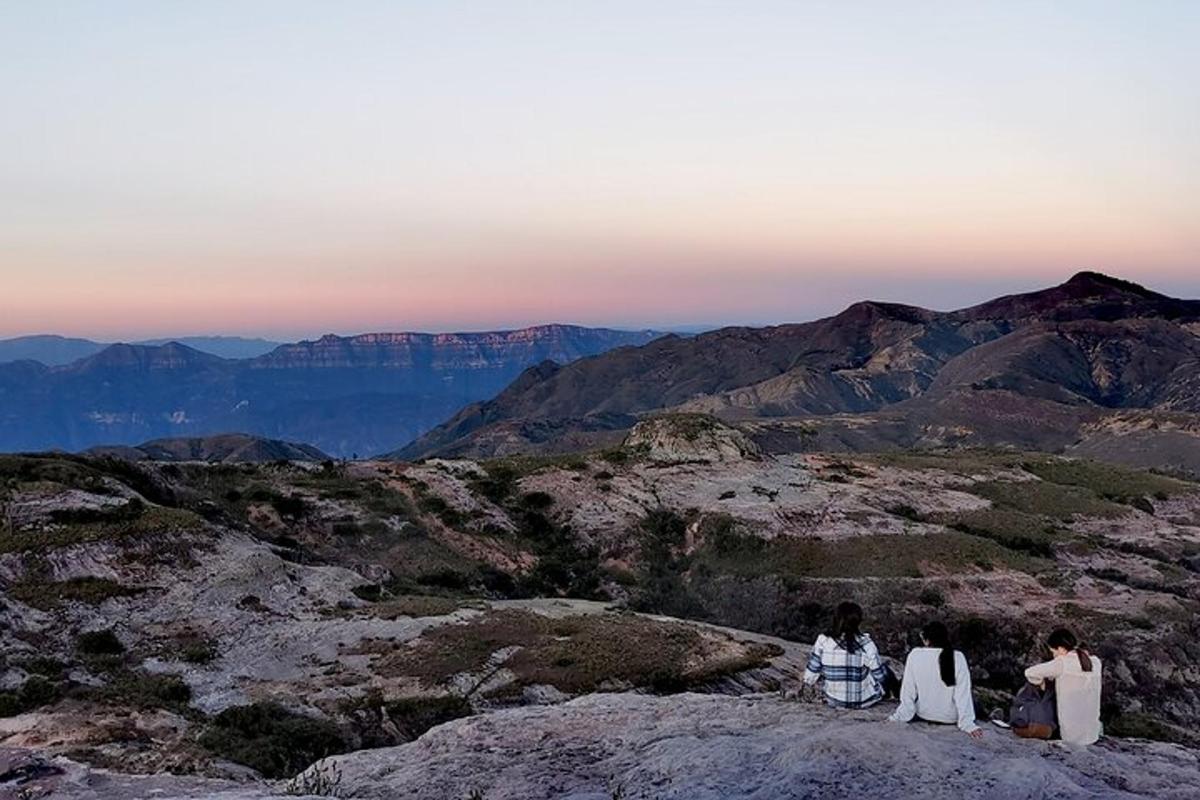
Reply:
x=291 y=168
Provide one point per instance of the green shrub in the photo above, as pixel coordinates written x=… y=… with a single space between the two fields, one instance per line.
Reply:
x=34 y=693
x=1117 y=484
x=413 y=716
x=122 y=513
x=432 y=504
x=44 y=666
x=143 y=690
x=933 y=597
x=154 y=520
x=371 y=592
x=537 y=501
x=1013 y=529
x=197 y=649
x=289 y=506
x=1043 y=498
x=271 y=739
x=99 y=643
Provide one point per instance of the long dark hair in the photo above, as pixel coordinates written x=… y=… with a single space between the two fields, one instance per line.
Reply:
x=846 y=621
x=1063 y=638
x=936 y=635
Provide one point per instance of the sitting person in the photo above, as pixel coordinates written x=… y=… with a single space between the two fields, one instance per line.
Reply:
x=937 y=684
x=1076 y=676
x=848 y=661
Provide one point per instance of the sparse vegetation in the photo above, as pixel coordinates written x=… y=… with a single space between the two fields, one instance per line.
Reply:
x=35 y=692
x=1011 y=529
x=858 y=557
x=575 y=654
x=662 y=585
x=380 y=722
x=688 y=426
x=47 y=595
x=271 y=739
x=1108 y=481
x=1046 y=499
x=196 y=648
x=142 y=690
x=154 y=520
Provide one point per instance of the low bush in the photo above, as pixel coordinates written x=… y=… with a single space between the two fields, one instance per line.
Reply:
x=36 y=692
x=99 y=643
x=271 y=739
x=142 y=690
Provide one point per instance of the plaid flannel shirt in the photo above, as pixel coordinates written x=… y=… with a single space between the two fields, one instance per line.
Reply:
x=852 y=680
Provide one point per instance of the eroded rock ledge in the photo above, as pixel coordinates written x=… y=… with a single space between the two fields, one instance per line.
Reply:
x=701 y=747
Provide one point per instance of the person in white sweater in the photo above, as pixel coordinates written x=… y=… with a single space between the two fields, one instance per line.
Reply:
x=937 y=684
x=1076 y=676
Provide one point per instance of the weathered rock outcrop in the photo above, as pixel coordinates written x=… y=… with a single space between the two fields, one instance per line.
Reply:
x=684 y=438
x=693 y=747
x=719 y=748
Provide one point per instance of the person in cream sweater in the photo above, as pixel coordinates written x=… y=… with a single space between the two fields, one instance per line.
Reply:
x=1076 y=676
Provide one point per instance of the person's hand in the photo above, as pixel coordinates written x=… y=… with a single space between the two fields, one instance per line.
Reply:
x=976 y=734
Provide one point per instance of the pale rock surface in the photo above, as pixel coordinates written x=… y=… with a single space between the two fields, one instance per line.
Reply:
x=703 y=747
x=689 y=438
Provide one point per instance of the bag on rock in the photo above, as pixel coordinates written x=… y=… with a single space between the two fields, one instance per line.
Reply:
x=1034 y=712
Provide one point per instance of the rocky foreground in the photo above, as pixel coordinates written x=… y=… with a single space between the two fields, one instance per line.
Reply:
x=698 y=747
x=612 y=624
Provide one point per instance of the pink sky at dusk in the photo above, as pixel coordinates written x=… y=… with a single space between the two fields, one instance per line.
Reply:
x=287 y=169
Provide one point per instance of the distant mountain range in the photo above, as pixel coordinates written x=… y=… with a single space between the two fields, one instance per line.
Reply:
x=1075 y=366
x=54 y=351
x=222 y=448
x=344 y=395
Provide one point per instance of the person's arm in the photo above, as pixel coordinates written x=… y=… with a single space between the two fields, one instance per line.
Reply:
x=873 y=662
x=964 y=702
x=908 y=695
x=1039 y=673
x=814 y=669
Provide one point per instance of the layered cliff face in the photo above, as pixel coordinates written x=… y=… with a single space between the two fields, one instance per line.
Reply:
x=1060 y=358
x=450 y=351
x=344 y=395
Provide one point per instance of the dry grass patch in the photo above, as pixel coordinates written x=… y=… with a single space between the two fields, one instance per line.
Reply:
x=576 y=654
x=46 y=595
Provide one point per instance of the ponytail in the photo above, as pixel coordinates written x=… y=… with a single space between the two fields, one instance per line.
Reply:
x=1065 y=639
x=845 y=628
x=936 y=635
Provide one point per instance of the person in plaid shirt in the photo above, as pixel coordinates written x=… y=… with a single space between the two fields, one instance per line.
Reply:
x=848 y=661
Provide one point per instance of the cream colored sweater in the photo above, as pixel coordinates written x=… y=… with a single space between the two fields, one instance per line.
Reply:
x=1078 y=694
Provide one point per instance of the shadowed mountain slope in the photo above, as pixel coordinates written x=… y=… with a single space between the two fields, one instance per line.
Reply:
x=1090 y=344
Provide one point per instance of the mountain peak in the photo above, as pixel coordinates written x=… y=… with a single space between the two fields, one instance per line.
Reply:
x=141 y=356
x=1099 y=283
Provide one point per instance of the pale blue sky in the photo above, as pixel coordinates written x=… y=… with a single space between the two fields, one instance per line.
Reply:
x=293 y=167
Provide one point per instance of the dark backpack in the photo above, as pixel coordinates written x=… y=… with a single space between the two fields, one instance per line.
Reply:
x=1034 y=712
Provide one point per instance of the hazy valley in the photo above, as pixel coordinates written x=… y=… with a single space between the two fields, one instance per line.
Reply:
x=345 y=395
